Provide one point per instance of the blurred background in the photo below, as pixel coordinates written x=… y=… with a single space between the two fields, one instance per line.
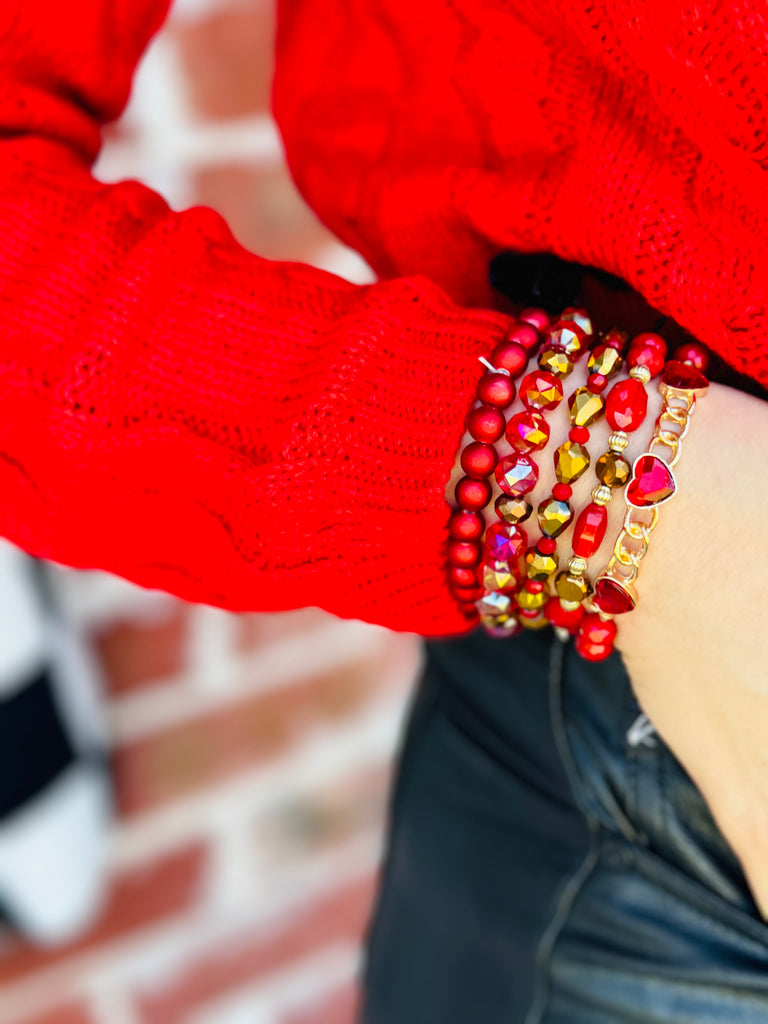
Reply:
x=250 y=754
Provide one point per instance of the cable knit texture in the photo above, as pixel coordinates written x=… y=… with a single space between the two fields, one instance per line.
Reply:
x=262 y=436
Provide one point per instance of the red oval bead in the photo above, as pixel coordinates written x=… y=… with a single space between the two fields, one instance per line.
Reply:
x=597 y=383
x=651 y=340
x=524 y=334
x=510 y=356
x=496 y=389
x=589 y=531
x=646 y=355
x=472 y=495
x=558 y=616
x=626 y=405
x=466 y=525
x=546 y=545
x=538 y=317
x=694 y=353
x=486 y=423
x=478 y=459
x=580 y=435
x=592 y=652
x=461 y=576
x=562 y=492
x=467 y=594
x=528 y=431
x=465 y=553
x=596 y=630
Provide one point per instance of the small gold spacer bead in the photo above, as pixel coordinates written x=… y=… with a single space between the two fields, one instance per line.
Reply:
x=601 y=495
x=577 y=565
x=641 y=373
x=618 y=441
x=570 y=606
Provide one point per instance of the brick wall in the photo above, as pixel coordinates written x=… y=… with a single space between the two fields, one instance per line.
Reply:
x=251 y=752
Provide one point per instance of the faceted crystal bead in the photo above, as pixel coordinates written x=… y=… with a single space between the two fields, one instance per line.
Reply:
x=527 y=600
x=571 y=588
x=652 y=482
x=612 y=598
x=517 y=474
x=506 y=543
x=684 y=377
x=555 y=361
x=528 y=432
x=499 y=576
x=571 y=460
x=626 y=405
x=616 y=339
x=585 y=407
x=589 y=531
x=539 y=566
x=554 y=516
x=569 y=337
x=604 y=360
x=540 y=390
x=495 y=604
x=612 y=469
x=501 y=627
x=580 y=317
x=512 y=510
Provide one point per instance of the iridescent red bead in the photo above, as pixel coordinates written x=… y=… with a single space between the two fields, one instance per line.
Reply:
x=517 y=474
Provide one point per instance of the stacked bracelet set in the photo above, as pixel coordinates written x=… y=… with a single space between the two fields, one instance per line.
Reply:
x=497 y=569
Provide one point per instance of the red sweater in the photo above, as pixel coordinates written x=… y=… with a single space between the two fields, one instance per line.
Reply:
x=262 y=436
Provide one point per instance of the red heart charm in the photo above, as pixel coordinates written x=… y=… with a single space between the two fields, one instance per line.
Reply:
x=652 y=482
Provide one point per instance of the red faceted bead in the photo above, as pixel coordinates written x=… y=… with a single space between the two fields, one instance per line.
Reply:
x=506 y=543
x=524 y=334
x=611 y=598
x=538 y=317
x=460 y=576
x=466 y=594
x=478 y=459
x=472 y=495
x=615 y=339
x=589 y=531
x=579 y=434
x=626 y=405
x=694 y=353
x=592 y=652
x=464 y=553
x=534 y=586
x=466 y=525
x=496 y=389
x=683 y=375
x=646 y=355
x=486 y=423
x=517 y=474
x=559 y=616
x=510 y=356
x=562 y=492
x=597 y=383
x=652 y=483
x=528 y=431
x=546 y=545
x=651 y=340
x=596 y=630
x=540 y=390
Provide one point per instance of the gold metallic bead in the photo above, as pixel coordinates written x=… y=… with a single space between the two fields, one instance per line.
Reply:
x=513 y=510
x=572 y=588
x=554 y=516
x=612 y=470
x=495 y=606
x=605 y=361
x=540 y=567
x=556 y=362
x=579 y=317
x=577 y=566
x=618 y=441
x=585 y=407
x=571 y=460
x=601 y=495
x=530 y=601
x=499 y=576
x=641 y=373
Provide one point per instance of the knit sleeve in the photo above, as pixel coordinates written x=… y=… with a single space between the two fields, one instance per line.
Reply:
x=247 y=434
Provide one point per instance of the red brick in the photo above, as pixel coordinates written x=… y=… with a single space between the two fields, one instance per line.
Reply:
x=62 y=1015
x=263 y=208
x=228 y=59
x=134 y=653
x=175 y=762
x=339 y=1007
x=139 y=898
x=341 y=916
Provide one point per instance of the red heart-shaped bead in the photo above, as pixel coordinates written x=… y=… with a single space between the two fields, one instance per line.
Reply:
x=652 y=482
